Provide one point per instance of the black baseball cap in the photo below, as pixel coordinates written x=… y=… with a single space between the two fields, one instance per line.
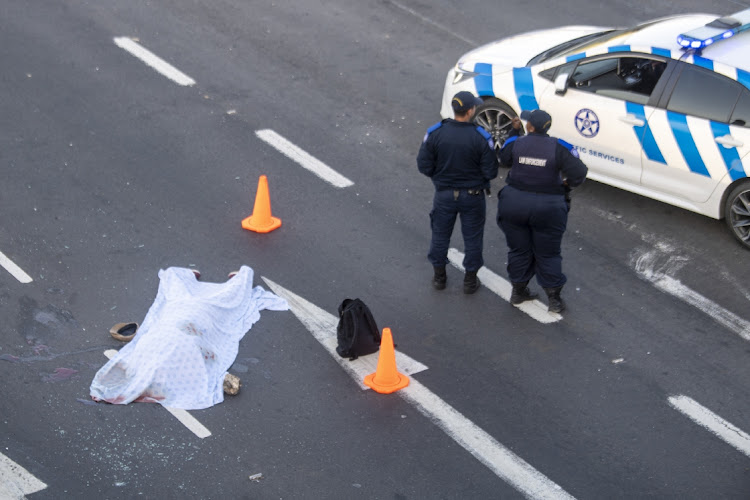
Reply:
x=541 y=120
x=464 y=101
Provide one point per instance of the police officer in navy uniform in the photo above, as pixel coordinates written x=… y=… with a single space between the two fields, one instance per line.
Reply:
x=459 y=157
x=532 y=209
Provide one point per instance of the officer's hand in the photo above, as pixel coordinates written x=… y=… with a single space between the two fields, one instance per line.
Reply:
x=516 y=122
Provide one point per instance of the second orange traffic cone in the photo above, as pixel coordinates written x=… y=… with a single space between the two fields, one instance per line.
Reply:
x=261 y=220
x=386 y=378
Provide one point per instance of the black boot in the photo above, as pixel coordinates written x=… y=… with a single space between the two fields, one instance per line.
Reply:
x=556 y=304
x=521 y=293
x=438 y=281
x=471 y=282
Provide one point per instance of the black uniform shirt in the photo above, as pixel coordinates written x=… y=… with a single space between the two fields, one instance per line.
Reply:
x=457 y=155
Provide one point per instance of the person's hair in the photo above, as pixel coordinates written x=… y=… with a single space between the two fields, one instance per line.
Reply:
x=459 y=114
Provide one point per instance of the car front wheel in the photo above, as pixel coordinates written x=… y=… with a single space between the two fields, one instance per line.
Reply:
x=495 y=117
x=737 y=212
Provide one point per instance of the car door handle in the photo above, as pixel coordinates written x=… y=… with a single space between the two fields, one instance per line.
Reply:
x=632 y=120
x=729 y=141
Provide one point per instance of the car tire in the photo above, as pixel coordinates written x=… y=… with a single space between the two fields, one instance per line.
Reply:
x=737 y=212
x=495 y=117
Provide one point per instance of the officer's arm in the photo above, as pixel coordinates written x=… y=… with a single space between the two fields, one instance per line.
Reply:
x=488 y=159
x=506 y=154
x=573 y=169
x=426 y=158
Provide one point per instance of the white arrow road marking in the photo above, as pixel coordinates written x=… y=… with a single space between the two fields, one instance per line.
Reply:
x=305 y=159
x=714 y=423
x=323 y=327
x=183 y=416
x=534 y=308
x=154 y=61
x=500 y=460
x=15 y=481
x=14 y=270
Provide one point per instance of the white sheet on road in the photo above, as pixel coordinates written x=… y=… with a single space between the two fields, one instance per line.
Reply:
x=186 y=343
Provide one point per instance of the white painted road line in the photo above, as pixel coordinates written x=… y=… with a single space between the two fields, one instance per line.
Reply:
x=154 y=61
x=653 y=266
x=14 y=270
x=719 y=314
x=323 y=325
x=306 y=160
x=430 y=21
x=502 y=287
x=183 y=416
x=500 y=460
x=15 y=481
x=714 y=423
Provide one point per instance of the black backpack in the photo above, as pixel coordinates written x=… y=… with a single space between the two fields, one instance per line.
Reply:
x=357 y=332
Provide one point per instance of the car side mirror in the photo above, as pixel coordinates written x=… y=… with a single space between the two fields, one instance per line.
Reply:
x=561 y=83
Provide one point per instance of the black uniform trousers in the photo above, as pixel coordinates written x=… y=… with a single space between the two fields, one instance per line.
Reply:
x=472 y=209
x=534 y=224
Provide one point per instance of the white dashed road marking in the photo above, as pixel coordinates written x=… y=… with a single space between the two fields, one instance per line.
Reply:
x=534 y=308
x=15 y=481
x=499 y=459
x=183 y=416
x=306 y=160
x=714 y=423
x=154 y=61
x=14 y=270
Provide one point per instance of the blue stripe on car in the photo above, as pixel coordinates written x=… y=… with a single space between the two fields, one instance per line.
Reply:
x=524 y=88
x=575 y=57
x=703 y=62
x=730 y=155
x=661 y=52
x=619 y=48
x=483 y=80
x=743 y=77
x=681 y=132
x=644 y=134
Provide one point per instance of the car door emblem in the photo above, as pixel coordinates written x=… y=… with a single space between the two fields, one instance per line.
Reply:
x=587 y=123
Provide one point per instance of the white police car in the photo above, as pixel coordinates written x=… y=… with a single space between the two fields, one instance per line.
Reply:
x=661 y=109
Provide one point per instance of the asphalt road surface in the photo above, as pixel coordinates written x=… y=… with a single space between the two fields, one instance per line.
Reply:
x=112 y=170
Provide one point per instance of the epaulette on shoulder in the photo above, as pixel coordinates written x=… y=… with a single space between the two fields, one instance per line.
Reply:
x=565 y=144
x=434 y=127
x=431 y=130
x=569 y=147
x=487 y=136
x=510 y=140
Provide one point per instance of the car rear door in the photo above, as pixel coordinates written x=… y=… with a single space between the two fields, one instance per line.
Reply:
x=701 y=130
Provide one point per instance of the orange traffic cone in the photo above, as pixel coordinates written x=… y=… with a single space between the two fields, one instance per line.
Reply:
x=386 y=378
x=261 y=220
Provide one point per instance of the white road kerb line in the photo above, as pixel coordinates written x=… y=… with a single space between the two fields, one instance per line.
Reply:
x=14 y=270
x=153 y=60
x=183 y=416
x=714 y=423
x=501 y=461
x=534 y=308
x=15 y=481
x=306 y=160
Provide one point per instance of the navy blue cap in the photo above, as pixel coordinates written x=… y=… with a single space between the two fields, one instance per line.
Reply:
x=464 y=101
x=541 y=120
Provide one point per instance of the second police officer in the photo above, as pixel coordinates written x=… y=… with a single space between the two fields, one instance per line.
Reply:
x=532 y=208
x=459 y=157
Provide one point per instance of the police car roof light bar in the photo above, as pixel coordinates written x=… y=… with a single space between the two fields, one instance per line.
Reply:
x=720 y=28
